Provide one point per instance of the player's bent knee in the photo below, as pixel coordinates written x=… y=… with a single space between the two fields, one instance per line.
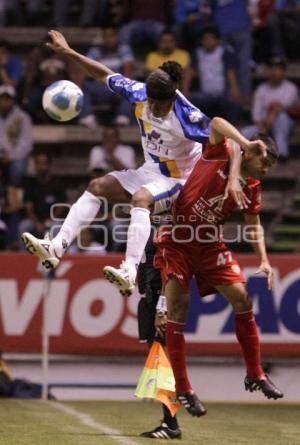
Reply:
x=142 y=198
x=97 y=187
x=237 y=295
x=242 y=303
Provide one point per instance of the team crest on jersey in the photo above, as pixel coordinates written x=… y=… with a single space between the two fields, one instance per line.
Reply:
x=154 y=135
x=154 y=141
x=210 y=210
x=195 y=116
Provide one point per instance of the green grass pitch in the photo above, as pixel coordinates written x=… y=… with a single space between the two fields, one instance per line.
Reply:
x=24 y=422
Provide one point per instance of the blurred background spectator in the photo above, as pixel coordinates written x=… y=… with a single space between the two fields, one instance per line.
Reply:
x=19 y=12
x=168 y=50
x=120 y=59
x=233 y=21
x=276 y=29
x=91 y=10
x=17 y=388
x=15 y=135
x=111 y=155
x=49 y=70
x=87 y=12
x=215 y=66
x=87 y=244
x=43 y=67
x=115 y=13
x=265 y=42
x=190 y=16
x=11 y=67
x=40 y=193
x=10 y=205
x=145 y=22
x=271 y=103
x=284 y=25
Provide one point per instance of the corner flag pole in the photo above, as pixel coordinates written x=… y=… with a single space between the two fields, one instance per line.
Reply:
x=48 y=277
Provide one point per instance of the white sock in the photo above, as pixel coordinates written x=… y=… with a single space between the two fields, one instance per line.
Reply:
x=138 y=234
x=81 y=213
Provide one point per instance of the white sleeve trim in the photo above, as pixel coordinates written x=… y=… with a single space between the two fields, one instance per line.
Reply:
x=107 y=80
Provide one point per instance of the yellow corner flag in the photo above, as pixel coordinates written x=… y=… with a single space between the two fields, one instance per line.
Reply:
x=157 y=379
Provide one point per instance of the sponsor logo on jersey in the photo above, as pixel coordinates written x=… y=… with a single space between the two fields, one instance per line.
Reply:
x=195 y=116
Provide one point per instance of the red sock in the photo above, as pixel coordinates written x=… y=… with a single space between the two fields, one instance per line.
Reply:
x=176 y=350
x=247 y=335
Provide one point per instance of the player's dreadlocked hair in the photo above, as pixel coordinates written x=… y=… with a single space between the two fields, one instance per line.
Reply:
x=174 y=70
x=162 y=83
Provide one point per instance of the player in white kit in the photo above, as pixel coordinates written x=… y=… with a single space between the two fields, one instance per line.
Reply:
x=172 y=133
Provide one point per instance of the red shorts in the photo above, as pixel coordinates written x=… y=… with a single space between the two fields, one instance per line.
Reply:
x=211 y=264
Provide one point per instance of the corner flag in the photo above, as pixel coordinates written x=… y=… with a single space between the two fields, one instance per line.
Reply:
x=157 y=379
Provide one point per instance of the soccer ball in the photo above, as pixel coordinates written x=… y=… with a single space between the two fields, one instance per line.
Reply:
x=62 y=100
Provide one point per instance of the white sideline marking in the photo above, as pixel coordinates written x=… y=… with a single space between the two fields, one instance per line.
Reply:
x=87 y=420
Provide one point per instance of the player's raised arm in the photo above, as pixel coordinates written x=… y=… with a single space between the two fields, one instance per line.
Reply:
x=221 y=128
x=256 y=232
x=233 y=186
x=95 y=69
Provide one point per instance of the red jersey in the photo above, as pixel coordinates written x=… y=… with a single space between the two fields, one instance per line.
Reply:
x=200 y=202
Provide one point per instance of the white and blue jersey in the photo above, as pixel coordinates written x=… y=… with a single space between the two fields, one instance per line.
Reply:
x=173 y=144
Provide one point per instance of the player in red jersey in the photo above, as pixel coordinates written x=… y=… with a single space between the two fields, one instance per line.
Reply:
x=193 y=246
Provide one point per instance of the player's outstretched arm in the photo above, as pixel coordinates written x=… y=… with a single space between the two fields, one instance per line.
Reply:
x=256 y=231
x=94 y=69
x=233 y=186
x=220 y=128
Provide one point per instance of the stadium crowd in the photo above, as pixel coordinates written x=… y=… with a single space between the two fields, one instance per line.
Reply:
x=235 y=56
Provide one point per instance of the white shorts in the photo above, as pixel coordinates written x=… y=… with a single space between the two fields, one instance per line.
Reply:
x=163 y=189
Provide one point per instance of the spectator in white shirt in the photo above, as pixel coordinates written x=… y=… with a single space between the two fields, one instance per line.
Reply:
x=86 y=243
x=272 y=102
x=111 y=155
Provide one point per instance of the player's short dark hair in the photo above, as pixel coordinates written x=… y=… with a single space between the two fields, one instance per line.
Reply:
x=272 y=149
x=167 y=31
x=210 y=29
x=162 y=83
